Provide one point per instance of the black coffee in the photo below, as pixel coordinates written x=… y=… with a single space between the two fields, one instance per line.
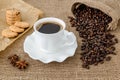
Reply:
x=49 y=28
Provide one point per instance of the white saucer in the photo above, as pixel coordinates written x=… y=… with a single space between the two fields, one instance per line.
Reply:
x=45 y=56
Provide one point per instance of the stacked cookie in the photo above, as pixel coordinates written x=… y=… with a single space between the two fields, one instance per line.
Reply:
x=13 y=18
x=12 y=15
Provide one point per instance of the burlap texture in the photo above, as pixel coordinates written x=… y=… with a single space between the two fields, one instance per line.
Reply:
x=71 y=68
x=31 y=17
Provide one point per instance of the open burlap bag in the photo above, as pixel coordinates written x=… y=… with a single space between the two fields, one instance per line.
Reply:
x=110 y=7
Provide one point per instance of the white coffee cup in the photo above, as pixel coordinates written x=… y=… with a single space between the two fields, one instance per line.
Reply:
x=54 y=41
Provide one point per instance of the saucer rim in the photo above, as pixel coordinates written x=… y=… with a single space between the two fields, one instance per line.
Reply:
x=48 y=60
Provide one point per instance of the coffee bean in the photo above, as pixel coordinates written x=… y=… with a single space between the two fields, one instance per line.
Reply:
x=97 y=42
x=116 y=40
x=85 y=66
x=108 y=58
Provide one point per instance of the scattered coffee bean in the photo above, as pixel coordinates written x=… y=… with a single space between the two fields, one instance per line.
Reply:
x=108 y=58
x=97 y=42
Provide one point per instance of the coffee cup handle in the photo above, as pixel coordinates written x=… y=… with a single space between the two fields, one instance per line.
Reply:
x=70 y=35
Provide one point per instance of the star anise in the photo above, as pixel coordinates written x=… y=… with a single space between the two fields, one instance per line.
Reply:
x=21 y=64
x=13 y=59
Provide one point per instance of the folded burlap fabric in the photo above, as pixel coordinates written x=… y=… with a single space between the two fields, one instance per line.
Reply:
x=29 y=14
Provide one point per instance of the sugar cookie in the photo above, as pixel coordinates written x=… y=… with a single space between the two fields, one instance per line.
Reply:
x=12 y=12
x=16 y=29
x=12 y=19
x=22 y=24
x=12 y=15
x=8 y=33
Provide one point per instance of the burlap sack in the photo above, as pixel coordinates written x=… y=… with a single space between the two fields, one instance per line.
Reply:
x=110 y=7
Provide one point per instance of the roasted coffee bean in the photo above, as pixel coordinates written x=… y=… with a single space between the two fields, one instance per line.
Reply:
x=85 y=66
x=108 y=58
x=97 y=42
x=116 y=40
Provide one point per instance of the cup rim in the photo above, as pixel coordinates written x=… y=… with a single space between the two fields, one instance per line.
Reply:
x=49 y=19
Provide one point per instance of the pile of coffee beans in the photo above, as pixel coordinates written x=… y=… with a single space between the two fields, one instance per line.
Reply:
x=97 y=41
